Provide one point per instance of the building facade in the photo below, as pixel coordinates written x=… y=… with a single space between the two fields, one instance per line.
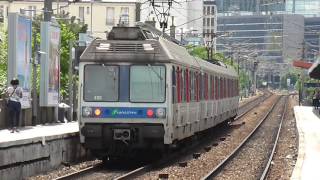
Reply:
x=100 y=16
x=312 y=39
x=210 y=23
x=275 y=38
x=308 y=8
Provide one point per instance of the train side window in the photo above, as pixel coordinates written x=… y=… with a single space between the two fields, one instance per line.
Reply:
x=187 y=85
x=221 y=88
x=178 y=85
x=227 y=87
x=209 y=86
x=183 y=86
x=212 y=87
x=215 y=87
x=201 y=86
x=192 y=86
x=174 y=87
x=206 y=86
x=197 y=86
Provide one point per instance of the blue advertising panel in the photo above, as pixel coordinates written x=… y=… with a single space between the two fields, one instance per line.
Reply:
x=19 y=66
x=50 y=64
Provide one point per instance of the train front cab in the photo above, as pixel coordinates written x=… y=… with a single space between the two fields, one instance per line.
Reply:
x=123 y=107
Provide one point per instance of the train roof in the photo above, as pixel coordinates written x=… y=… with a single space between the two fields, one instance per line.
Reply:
x=144 y=50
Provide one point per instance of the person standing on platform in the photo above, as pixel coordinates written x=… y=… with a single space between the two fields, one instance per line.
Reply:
x=315 y=100
x=14 y=94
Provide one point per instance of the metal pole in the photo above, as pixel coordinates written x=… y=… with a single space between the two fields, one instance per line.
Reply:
x=47 y=10
x=181 y=38
x=238 y=63
x=58 y=9
x=70 y=112
x=91 y=18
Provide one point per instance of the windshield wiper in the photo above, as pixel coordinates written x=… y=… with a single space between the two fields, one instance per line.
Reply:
x=158 y=75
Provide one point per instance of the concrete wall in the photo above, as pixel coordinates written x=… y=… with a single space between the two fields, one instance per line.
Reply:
x=22 y=159
x=3 y=114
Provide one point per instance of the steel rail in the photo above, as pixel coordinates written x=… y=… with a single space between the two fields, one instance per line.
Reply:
x=146 y=168
x=220 y=166
x=266 y=170
x=79 y=173
x=254 y=102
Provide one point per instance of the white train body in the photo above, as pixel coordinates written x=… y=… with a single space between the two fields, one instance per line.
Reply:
x=139 y=94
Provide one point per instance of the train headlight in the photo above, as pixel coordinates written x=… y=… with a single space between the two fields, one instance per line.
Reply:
x=150 y=113
x=161 y=112
x=86 y=111
x=97 y=112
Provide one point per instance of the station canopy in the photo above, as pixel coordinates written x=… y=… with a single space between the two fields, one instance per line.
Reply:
x=314 y=70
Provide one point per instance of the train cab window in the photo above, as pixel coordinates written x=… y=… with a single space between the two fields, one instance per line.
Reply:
x=147 y=83
x=106 y=88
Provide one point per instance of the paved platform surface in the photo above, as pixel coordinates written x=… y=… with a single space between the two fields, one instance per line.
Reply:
x=308 y=124
x=30 y=134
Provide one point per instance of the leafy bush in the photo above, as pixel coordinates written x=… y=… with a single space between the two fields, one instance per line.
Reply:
x=3 y=60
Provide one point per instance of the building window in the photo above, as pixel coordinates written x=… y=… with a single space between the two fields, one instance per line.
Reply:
x=208 y=21
x=81 y=13
x=204 y=10
x=88 y=10
x=204 y=21
x=212 y=10
x=110 y=16
x=208 y=10
x=212 y=22
x=31 y=11
x=1 y=11
x=124 y=16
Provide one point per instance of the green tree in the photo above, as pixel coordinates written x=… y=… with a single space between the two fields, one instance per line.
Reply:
x=70 y=30
x=202 y=52
x=3 y=59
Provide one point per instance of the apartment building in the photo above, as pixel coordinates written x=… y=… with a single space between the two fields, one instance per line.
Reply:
x=99 y=15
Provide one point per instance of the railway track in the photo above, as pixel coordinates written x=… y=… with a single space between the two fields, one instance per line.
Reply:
x=243 y=110
x=238 y=157
x=171 y=159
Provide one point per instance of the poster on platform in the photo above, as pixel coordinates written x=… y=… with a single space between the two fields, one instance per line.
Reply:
x=50 y=64
x=19 y=63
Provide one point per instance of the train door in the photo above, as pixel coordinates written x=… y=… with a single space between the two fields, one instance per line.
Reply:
x=192 y=103
x=210 y=102
x=179 y=106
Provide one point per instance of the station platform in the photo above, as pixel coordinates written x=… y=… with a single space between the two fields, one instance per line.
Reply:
x=37 y=133
x=38 y=149
x=308 y=125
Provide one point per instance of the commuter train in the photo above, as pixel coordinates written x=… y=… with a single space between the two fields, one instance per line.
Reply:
x=140 y=91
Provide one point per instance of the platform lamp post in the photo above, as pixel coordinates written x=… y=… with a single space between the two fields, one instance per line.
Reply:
x=299 y=90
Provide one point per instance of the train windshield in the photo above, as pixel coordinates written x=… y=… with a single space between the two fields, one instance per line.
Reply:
x=101 y=83
x=147 y=83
